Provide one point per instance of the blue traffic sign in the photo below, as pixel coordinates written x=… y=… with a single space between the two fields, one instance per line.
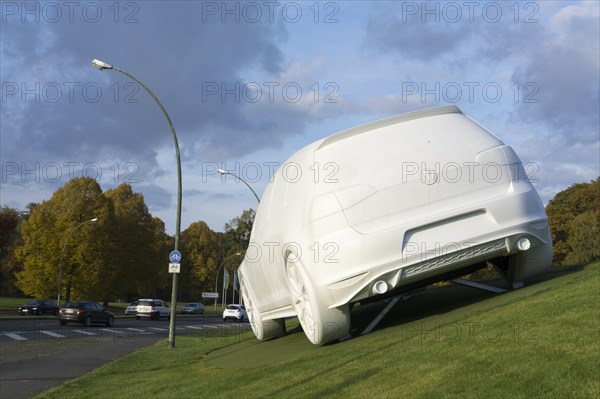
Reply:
x=175 y=257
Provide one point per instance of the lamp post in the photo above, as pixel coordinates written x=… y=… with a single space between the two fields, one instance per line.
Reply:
x=101 y=66
x=62 y=255
x=218 y=272
x=225 y=172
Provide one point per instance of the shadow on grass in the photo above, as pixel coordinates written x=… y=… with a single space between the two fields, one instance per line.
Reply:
x=440 y=300
x=438 y=305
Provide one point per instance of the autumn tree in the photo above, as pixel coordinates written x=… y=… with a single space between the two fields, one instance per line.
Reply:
x=48 y=232
x=573 y=219
x=10 y=238
x=135 y=247
x=201 y=253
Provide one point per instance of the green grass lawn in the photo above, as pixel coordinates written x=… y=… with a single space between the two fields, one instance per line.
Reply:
x=540 y=341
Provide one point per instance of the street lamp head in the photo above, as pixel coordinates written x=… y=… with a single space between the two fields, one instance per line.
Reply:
x=223 y=172
x=101 y=65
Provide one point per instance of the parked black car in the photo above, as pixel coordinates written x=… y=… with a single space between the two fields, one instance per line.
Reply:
x=39 y=307
x=85 y=312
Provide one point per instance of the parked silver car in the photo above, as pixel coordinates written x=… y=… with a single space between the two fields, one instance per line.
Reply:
x=131 y=309
x=193 y=308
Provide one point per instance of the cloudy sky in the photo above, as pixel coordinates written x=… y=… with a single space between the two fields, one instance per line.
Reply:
x=249 y=83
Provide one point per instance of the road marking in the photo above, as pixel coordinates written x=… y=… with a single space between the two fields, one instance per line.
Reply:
x=16 y=336
x=84 y=332
x=207 y=326
x=113 y=331
x=52 y=334
x=157 y=329
x=137 y=330
x=195 y=327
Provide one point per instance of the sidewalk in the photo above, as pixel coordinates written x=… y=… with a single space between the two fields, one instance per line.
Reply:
x=26 y=378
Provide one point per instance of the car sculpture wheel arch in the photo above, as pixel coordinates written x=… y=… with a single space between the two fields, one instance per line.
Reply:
x=320 y=324
x=262 y=329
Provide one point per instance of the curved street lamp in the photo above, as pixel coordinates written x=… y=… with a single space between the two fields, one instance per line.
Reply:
x=62 y=255
x=101 y=66
x=218 y=272
x=224 y=172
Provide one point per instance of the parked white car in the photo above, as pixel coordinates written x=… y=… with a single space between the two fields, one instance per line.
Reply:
x=384 y=208
x=235 y=312
x=153 y=309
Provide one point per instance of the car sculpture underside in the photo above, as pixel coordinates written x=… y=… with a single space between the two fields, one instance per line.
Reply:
x=384 y=208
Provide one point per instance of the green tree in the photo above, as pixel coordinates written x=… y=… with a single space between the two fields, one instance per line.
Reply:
x=45 y=234
x=237 y=232
x=584 y=238
x=566 y=228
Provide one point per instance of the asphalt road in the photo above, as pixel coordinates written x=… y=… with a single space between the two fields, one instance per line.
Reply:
x=38 y=353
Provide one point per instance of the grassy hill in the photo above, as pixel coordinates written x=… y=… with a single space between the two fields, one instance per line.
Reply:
x=540 y=341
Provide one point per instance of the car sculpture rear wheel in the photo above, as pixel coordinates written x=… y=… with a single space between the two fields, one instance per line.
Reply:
x=320 y=324
x=263 y=329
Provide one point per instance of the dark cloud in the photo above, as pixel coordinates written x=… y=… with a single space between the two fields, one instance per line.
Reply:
x=56 y=106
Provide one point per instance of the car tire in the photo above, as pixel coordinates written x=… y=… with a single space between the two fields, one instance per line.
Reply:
x=262 y=329
x=38 y=312
x=62 y=322
x=137 y=317
x=320 y=324
x=110 y=321
x=88 y=321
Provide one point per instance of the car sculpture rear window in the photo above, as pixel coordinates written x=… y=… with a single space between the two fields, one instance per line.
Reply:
x=383 y=208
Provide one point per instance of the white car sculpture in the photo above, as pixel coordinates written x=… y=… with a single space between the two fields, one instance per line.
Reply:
x=382 y=209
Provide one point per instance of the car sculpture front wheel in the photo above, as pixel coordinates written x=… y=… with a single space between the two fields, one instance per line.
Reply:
x=320 y=324
x=262 y=329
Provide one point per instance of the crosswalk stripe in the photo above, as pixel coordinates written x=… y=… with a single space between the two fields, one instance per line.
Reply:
x=135 y=329
x=52 y=334
x=112 y=331
x=16 y=336
x=84 y=332
x=157 y=329
x=195 y=327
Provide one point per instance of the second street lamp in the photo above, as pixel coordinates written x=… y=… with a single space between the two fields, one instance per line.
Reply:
x=224 y=172
x=101 y=66
x=62 y=255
